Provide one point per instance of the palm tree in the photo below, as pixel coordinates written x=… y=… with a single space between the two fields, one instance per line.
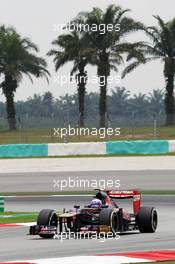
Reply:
x=119 y=101
x=140 y=104
x=48 y=103
x=72 y=47
x=107 y=49
x=156 y=101
x=162 y=47
x=17 y=58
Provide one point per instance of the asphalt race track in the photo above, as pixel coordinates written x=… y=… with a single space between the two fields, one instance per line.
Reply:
x=45 y=181
x=15 y=244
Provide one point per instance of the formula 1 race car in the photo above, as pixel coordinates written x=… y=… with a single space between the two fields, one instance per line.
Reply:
x=102 y=215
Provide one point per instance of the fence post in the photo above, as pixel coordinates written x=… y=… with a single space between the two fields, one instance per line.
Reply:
x=155 y=128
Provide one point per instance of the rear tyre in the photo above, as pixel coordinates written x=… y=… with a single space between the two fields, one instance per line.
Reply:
x=47 y=217
x=110 y=218
x=147 y=219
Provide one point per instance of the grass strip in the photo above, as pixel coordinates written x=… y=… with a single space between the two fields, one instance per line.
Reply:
x=17 y=217
x=94 y=156
x=144 y=192
x=46 y=135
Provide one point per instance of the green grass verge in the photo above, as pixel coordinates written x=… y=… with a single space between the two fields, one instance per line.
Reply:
x=46 y=193
x=144 y=192
x=46 y=135
x=93 y=156
x=17 y=217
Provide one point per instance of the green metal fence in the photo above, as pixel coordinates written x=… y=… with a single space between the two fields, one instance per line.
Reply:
x=1 y=204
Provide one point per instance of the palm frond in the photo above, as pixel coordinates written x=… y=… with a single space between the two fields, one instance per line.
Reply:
x=130 y=68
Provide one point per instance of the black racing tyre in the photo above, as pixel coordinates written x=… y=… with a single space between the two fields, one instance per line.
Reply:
x=147 y=219
x=109 y=217
x=104 y=217
x=47 y=217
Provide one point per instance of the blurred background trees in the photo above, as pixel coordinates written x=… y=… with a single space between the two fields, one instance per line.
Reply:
x=42 y=111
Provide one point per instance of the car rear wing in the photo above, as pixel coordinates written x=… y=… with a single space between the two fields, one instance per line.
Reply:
x=130 y=194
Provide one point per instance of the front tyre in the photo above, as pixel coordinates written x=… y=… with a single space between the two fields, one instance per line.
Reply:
x=147 y=219
x=47 y=217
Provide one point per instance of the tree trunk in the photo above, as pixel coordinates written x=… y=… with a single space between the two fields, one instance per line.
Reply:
x=103 y=104
x=103 y=74
x=9 y=87
x=11 y=111
x=82 y=79
x=81 y=95
x=169 y=100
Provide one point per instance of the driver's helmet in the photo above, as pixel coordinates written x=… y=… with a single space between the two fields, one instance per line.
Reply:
x=96 y=203
x=101 y=196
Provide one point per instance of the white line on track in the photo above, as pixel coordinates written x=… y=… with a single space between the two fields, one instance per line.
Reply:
x=85 y=260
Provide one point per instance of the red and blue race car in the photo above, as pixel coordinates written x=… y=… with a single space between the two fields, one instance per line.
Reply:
x=102 y=214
